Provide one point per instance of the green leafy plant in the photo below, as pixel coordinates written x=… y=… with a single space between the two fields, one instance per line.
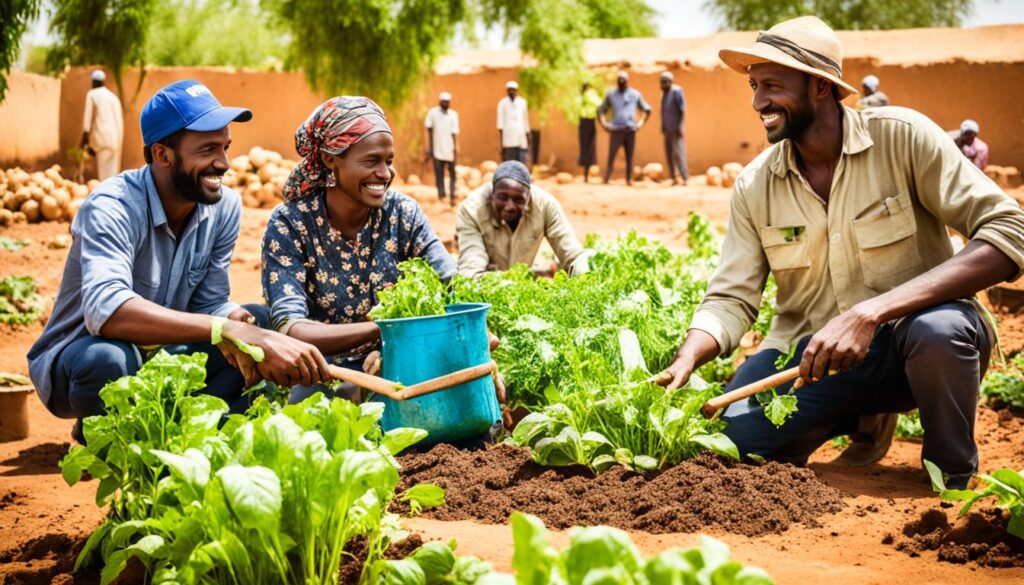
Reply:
x=419 y=293
x=595 y=554
x=15 y=16
x=1005 y=389
x=908 y=426
x=11 y=244
x=193 y=494
x=20 y=304
x=778 y=408
x=1006 y=485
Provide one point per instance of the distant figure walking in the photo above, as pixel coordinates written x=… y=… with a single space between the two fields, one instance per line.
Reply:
x=589 y=102
x=673 y=119
x=103 y=127
x=443 y=143
x=513 y=125
x=872 y=98
x=967 y=141
x=623 y=101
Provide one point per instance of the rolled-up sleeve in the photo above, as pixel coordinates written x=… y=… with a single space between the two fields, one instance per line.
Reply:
x=212 y=293
x=640 y=101
x=953 y=189
x=425 y=243
x=283 y=263
x=560 y=235
x=734 y=292
x=473 y=257
x=105 y=231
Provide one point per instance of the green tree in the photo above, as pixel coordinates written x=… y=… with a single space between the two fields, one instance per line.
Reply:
x=111 y=33
x=841 y=14
x=207 y=32
x=14 y=18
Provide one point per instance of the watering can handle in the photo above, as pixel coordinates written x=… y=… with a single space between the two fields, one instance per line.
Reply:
x=395 y=391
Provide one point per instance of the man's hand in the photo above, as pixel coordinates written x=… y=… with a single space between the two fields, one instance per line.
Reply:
x=841 y=344
x=243 y=315
x=676 y=374
x=287 y=361
x=492 y=341
x=241 y=361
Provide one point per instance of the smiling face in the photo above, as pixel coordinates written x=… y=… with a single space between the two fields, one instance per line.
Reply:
x=509 y=199
x=364 y=172
x=196 y=164
x=782 y=96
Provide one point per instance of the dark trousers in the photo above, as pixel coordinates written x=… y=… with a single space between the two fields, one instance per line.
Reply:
x=515 y=153
x=587 y=135
x=439 y=166
x=618 y=139
x=675 y=155
x=88 y=364
x=932 y=360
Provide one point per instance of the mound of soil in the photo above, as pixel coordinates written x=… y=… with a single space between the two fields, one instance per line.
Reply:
x=704 y=492
x=980 y=537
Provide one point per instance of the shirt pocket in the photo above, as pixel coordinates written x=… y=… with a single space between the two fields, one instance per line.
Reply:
x=886 y=236
x=197 y=271
x=786 y=248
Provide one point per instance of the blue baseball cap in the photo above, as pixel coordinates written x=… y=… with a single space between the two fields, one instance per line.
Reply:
x=188 y=105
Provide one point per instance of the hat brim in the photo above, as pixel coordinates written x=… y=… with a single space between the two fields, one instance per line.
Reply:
x=740 y=60
x=218 y=118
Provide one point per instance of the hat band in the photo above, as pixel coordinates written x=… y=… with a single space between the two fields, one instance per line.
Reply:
x=805 y=56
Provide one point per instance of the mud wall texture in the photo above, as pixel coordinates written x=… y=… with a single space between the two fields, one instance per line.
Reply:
x=976 y=73
x=30 y=121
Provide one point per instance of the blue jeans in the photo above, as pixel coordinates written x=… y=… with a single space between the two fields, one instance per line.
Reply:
x=88 y=364
x=932 y=360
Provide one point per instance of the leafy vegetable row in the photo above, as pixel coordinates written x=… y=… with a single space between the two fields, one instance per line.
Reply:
x=275 y=496
x=19 y=302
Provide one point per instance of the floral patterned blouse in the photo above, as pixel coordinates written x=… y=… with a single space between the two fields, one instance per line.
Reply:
x=313 y=273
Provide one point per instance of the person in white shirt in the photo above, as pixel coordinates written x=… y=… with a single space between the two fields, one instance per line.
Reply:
x=443 y=142
x=103 y=127
x=513 y=125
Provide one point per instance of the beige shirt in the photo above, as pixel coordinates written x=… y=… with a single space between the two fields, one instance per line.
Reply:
x=487 y=243
x=445 y=126
x=103 y=120
x=514 y=122
x=899 y=182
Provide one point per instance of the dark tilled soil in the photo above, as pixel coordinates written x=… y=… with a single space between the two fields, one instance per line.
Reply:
x=980 y=537
x=352 y=563
x=705 y=492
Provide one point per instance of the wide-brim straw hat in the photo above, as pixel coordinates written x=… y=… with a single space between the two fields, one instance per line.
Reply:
x=806 y=44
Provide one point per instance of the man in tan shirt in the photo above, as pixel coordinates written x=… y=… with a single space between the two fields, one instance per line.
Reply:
x=503 y=223
x=848 y=210
x=103 y=127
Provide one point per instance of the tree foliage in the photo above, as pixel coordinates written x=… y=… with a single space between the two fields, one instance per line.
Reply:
x=111 y=33
x=841 y=14
x=14 y=18
x=207 y=32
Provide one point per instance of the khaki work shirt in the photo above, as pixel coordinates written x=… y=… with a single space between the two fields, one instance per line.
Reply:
x=899 y=182
x=487 y=243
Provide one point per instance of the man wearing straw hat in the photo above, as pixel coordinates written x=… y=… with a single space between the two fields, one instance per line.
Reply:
x=848 y=210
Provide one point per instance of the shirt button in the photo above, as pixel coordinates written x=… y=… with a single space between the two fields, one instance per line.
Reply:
x=836 y=238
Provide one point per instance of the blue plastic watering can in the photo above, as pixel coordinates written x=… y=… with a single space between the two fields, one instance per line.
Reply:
x=420 y=349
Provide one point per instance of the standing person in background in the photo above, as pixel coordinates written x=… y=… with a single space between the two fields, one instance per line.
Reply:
x=443 y=142
x=872 y=98
x=967 y=141
x=624 y=102
x=513 y=125
x=103 y=127
x=589 y=102
x=673 y=119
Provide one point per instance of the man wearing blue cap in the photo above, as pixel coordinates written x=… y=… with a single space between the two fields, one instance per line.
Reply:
x=148 y=266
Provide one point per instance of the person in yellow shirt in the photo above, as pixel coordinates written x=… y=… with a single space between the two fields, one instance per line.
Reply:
x=589 y=102
x=849 y=211
x=503 y=223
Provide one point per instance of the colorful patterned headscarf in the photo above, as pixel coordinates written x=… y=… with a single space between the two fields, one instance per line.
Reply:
x=334 y=126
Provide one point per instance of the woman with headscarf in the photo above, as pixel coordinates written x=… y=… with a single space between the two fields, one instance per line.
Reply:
x=338 y=238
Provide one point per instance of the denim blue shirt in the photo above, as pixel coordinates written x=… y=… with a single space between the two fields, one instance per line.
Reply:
x=624 y=105
x=673 y=110
x=313 y=273
x=122 y=248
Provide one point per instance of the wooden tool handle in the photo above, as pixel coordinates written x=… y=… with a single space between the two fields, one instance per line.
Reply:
x=719 y=402
x=363 y=380
x=449 y=380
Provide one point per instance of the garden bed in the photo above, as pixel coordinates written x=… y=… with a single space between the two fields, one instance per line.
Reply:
x=702 y=494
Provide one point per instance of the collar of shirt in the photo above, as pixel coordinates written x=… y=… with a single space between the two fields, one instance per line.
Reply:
x=157 y=214
x=856 y=138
